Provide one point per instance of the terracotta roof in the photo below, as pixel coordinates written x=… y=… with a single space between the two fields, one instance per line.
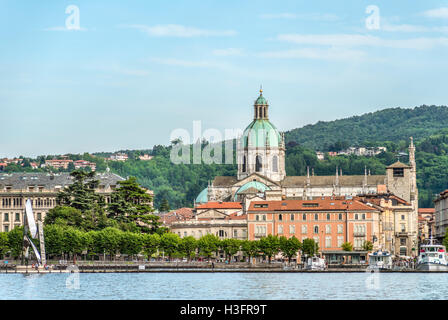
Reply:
x=235 y=216
x=327 y=204
x=220 y=205
x=224 y=181
x=176 y=215
x=426 y=210
x=399 y=164
x=355 y=180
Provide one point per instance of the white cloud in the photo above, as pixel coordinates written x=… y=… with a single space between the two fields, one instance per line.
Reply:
x=188 y=63
x=64 y=29
x=228 y=52
x=315 y=53
x=175 y=30
x=437 y=13
x=356 y=40
x=412 y=28
x=303 y=16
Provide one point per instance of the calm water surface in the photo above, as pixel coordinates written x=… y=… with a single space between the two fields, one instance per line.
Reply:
x=226 y=286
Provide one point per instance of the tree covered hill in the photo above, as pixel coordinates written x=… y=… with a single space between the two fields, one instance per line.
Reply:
x=370 y=129
x=180 y=184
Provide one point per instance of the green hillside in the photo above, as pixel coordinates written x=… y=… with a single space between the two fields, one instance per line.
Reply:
x=180 y=184
x=370 y=129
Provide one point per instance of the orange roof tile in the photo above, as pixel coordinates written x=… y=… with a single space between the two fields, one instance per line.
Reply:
x=220 y=205
x=426 y=210
x=320 y=204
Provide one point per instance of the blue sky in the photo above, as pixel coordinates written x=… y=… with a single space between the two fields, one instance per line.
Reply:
x=137 y=70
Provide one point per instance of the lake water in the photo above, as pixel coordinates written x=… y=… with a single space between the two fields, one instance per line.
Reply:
x=225 y=286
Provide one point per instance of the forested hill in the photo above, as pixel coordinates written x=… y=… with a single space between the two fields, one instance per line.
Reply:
x=371 y=129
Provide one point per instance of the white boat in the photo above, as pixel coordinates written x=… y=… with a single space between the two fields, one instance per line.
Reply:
x=432 y=257
x=316 y=263
x=381 y=260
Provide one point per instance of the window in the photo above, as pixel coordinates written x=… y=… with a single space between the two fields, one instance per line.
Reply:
x=235 y=233
x=328 y=216
x=402 y=217
x=316 y=229
x=258 y=164
x=316 y=217
x=257 y=218
x=305 y=229
x=280 y=217
x=274 y=164
x=363 y=216
x=292 y=229
x=221 y=233
x=340 y=241
x=340 y=228
x=403 y=241
x=403 y=227
x=398 y=172
x=356 y=216
x=185 y=233
x=304 y=217
x=280 y=229
x=244 y=164
x=292 y=216
x=403 y=251
x=264 y=217
x=17 y=216
x=200 y=233
x=6 y=217
x=328 y=242
x=340 y=216
x=6 y=228
x=328 y=228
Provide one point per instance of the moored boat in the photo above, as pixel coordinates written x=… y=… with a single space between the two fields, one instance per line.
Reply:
x=381 y=260
x=316 y=263
x=432 y=257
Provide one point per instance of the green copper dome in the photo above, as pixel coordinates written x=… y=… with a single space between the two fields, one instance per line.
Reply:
x=203 y=196
x=260 y=186
x=261 y=100
x=257 y=132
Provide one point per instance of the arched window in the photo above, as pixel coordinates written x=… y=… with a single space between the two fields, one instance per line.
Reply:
x=275 y=164
x=244 y=163
x=328 y=216
x=258 y=164
x=304 y=217
x=316 y=229
x=280 y=217
x=356 y=216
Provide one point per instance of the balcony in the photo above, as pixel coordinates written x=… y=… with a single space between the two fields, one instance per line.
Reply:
x=359 y=234
x=259 y=235
x=402 y=234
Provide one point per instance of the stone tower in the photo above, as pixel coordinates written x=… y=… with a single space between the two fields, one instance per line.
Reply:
x=261 y=148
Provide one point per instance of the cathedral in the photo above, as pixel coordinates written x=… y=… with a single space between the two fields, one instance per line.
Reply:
x=262 y=176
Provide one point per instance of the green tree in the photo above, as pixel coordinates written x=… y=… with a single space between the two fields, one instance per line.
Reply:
x=347 y=246
x=15 y=241
x=73 y=241
x=54 y=240
x=64 y=216
x=188 y=246
x=164 y=206
x=208 y=244
x=108 y=241
x=131 y=243
x=290 y=247
x=151 y=243
x=169 y=243
x=4 y=244
x=132 y=203
x=310 y=247
x=250 y=248
x=269 y=246
x=230 y=247
x=368 y=246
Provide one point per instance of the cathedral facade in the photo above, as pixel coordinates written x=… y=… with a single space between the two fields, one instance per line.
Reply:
x=261 y=171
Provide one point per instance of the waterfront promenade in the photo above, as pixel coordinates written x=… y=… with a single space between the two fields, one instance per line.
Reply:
x=192 y=267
